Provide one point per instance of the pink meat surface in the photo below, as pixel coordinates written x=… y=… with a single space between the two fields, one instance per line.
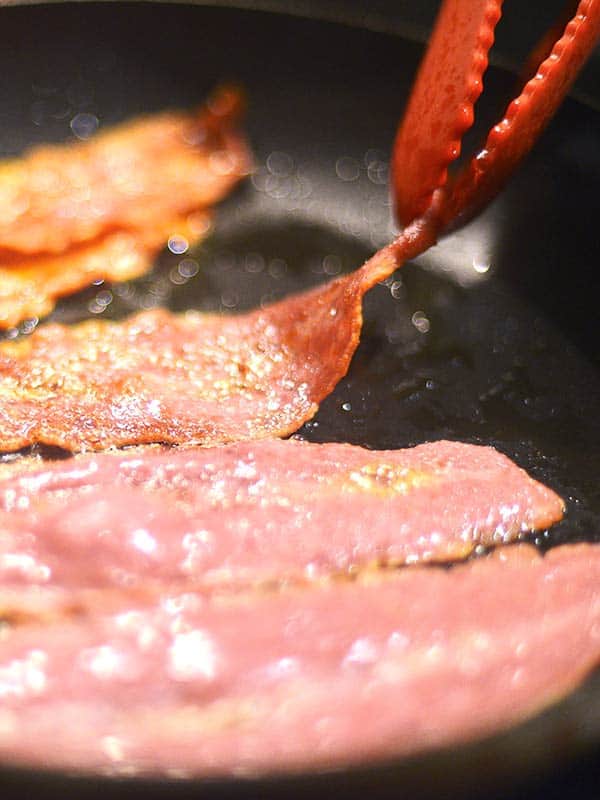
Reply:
x=251 y=513
x=307 y=678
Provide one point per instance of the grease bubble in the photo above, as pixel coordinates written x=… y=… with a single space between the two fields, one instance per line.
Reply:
x=84 y=125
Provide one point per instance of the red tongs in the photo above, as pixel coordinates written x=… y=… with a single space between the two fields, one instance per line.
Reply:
x=440 y=110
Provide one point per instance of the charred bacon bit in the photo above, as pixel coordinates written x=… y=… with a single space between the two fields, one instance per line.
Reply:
x=303 y=679
x=75 y=213
x=161 y=377
x=254 y=513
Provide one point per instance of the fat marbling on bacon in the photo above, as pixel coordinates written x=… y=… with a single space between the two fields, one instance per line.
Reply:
x=306 y=678
x=72 y=214
x=250 y=514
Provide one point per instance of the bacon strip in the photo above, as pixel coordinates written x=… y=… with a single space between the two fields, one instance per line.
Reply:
x=303 y=680
x=30 y=288
x=188 y=379
x=75 y=213
x=250 y=514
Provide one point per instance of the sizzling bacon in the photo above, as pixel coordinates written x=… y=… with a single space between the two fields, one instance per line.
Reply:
x=303 y=679
x=30 y=287
x=249 y=514
x=71 y=214
x=204 y=379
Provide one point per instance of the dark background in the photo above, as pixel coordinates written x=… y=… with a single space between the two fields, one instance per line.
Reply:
x=521 y=25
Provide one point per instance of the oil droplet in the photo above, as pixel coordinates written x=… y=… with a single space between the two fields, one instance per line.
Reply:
x=29 y=325
x=277 y=268
x=481 y=265
x=188 y=268
x=178 y=244
x=332 y=265
x=420 y=321
x=84 y=125
x=280 y=164
x=101 y=302
x=396 y=289
x=230 y=299
x=254 y=262
x=347 y=168
x=221 y=163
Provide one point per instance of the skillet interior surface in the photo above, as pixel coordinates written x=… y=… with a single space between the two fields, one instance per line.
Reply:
x=488 y=338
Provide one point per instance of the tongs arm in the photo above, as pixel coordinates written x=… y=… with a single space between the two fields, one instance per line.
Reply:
x=440 y=111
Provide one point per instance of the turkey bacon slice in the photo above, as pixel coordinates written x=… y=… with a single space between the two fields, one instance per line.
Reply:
x=29 y=287
x=303 y=679
x=101 y=210
x=253 y=514
x=159 y=377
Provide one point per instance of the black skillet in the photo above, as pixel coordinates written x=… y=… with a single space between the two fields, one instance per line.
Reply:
x=488 y=338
